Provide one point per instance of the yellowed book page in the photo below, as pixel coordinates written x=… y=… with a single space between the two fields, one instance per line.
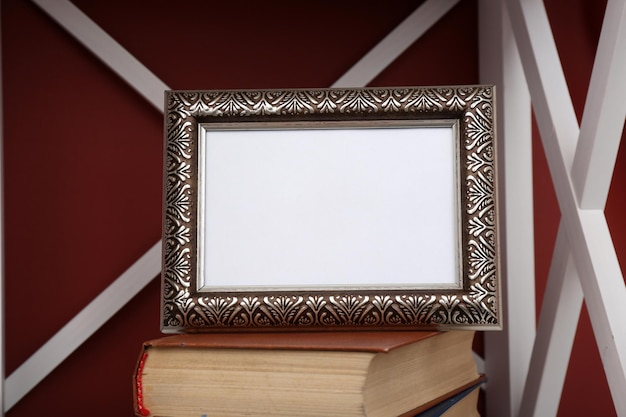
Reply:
x=255 y=383
x=419 y=373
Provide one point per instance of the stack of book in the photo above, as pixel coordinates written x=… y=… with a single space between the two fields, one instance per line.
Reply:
x=381 y=374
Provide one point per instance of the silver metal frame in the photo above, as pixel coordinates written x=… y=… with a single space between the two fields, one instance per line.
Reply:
x=474 y=305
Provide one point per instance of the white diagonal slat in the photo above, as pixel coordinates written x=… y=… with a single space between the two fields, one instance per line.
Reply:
x=605 y=108
x=560 y=312
x=388 y=49
x=51 y=354
x=605 y=297
x=508 y=352
x=83 y=325
x=588 y=234
x=550 y=100
x=107 y=49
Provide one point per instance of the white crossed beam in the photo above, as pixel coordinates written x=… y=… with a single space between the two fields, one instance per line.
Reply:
x=581 y=164
x=125 y=287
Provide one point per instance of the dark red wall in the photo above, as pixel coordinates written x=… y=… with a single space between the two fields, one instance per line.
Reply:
x=82 y=157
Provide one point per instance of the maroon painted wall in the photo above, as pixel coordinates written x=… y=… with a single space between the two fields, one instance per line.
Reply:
x=82 y=157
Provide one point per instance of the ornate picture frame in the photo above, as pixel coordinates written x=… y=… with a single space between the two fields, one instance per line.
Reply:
x=411 y=143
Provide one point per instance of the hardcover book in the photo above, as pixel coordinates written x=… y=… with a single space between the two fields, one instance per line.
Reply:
x=379 y=374
x=462 y=404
